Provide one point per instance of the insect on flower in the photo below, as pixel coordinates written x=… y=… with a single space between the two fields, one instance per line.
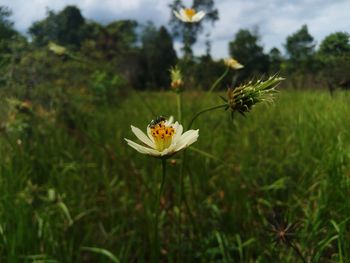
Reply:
x=156 y=121
x=164 y=138
x=189 y=15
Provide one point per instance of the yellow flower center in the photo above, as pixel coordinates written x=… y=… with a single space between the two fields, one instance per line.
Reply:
x=162 y=135
x=190 y=12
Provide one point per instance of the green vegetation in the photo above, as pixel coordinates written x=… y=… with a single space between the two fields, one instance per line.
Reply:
x=269 y=187
x=81 y=194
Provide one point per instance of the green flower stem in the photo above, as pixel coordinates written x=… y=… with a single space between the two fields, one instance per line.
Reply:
x=218 y=80
x=297 y=251
x=205 y=154
x=157 y=209
x=204 y=111
x=179 y=106
x=182 y=197
x=145 y=103
x=179 y=222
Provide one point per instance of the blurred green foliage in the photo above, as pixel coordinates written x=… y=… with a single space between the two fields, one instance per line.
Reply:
x=65 y=28
x=142 y=55
x=300 y=47
x=247 y=49
x=72 y=191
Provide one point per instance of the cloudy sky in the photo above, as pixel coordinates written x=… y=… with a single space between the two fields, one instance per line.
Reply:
x=276 y=19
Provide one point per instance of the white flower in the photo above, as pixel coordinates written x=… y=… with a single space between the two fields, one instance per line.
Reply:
x=57 y=49
x=164 y=138
x=232 y=63
x=189 y=15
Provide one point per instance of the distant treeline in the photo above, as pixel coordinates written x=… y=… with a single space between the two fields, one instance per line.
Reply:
x=142 y=54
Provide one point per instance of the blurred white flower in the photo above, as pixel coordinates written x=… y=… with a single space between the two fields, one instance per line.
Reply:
x=164 y=138
x=189 y=15
x=57 y=49
x=232 y=63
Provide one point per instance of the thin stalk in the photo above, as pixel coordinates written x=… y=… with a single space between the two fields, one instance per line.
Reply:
x=179 y=116
x=144 y=102
x=179 y=106
x=297 y=251
x=181 y=183
x=157 y=209
x=204 y=111
x=179 y=222
x=218 y=81
x=182 y=198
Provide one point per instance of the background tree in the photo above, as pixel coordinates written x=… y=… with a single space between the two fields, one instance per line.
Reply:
x=158 y=56
x=6 y=25
x=276 y=59
x=301 y=64
x=113 y=41
x=336 y=44
x=300 y=47
x=12 y=45
x=8 y=35
x=246 y=48
x=334 y=56
x=6 y=32
x=66 y=28
x=119 y=43
x=118 y=38
x=188 y=32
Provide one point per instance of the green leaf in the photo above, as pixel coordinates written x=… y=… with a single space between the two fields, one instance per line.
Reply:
x=103 y=252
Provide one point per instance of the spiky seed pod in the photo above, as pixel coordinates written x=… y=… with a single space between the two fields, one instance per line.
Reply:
x=244 y=97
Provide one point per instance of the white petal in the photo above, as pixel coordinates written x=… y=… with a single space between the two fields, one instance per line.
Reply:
x=142 y=149
x=177 y=15
x=142 y=137
x=182 y=12
x=178 y=131
x=187 y=139
x=190 y=141
x=197 y=17
x=180 y=16
x=149 y=133
x=169 y=121
x=184 y=16
x=185 y=135
x=167 y=151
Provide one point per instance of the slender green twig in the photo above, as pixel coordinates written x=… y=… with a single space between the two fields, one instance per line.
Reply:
x=218 y=81
x=145 y=103
x=157 y=209
x=182 y=196
x=297 y=251
x=204 y=111
x=208 y=155
x=181 y=183
x=179 y=106
x=180 y=204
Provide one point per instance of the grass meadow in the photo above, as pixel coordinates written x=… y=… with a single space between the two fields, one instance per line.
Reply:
x=260 y=188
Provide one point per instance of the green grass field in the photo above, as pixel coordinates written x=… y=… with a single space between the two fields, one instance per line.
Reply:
x=83 y=195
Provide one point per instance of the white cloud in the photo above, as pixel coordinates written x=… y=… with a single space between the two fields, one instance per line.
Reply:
x=276 y=19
